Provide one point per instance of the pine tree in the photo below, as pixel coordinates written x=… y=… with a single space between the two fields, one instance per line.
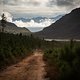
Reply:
x=3 y=22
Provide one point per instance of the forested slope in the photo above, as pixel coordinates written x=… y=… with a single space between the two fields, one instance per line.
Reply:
x=15 y=47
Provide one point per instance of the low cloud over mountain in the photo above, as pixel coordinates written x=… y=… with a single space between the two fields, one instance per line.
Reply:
x=35 y=22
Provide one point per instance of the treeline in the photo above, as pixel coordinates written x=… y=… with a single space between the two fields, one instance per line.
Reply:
x=63 y=61
x=15 y=47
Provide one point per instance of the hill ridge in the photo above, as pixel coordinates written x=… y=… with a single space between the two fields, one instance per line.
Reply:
x=13 y=28
x=67 y=27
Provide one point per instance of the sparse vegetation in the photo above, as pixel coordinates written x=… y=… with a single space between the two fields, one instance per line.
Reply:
x=15 y=47
x=62 y=58
x=63 y=62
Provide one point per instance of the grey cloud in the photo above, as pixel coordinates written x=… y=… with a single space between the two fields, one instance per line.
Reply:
x=8 y=2
x=35 y=3
x=61 y=3
x=19 y=2
x=65 y=3
x=56 y=5
x=3 y=1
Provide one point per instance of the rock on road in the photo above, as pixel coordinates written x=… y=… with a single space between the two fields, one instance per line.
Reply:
x=31 y=68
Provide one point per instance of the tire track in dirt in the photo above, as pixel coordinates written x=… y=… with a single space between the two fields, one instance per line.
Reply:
x=31 y=68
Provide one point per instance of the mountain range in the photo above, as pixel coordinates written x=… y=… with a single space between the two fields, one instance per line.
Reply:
x=37 y=19
x=67 y=27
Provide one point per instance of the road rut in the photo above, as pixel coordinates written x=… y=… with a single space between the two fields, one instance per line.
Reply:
x=31 y=68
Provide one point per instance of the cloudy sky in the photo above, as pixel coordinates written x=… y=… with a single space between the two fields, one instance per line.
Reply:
x=33 y=8
x=38 y=7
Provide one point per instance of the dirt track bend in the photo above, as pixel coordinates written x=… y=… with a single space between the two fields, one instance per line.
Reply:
x=31 y=68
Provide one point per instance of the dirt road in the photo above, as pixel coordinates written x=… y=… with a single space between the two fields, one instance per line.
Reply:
x=31 y=68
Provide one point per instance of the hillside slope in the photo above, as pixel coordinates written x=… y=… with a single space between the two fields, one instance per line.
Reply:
x=12 y=28
x=67 y=27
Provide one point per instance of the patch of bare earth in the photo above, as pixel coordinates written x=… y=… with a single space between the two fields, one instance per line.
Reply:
x=31 y=68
